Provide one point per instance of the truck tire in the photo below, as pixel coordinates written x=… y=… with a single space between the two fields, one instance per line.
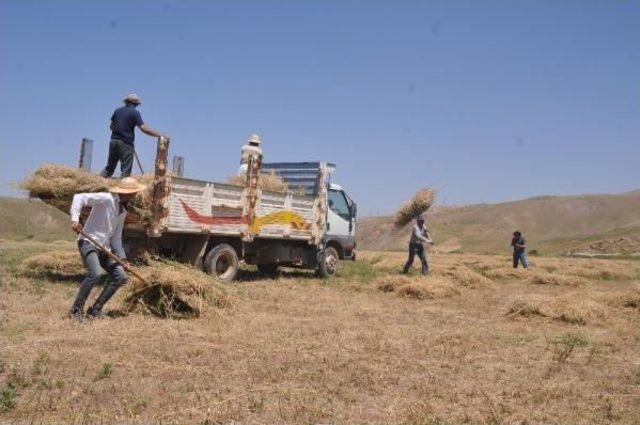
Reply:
x=268 y=270
x=222 y=263
x=328 y=263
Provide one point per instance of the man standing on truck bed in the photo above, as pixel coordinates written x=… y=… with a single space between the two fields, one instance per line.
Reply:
x=252 y=148
x=123 y=124
x=419 y=235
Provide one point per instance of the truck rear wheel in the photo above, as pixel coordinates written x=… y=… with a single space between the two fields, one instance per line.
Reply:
x=222 y=263
x=328 y=263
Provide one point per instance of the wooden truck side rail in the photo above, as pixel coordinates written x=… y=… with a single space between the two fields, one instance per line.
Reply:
x=187 y=206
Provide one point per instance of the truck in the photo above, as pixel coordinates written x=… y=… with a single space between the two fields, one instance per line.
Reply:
x=215 y=226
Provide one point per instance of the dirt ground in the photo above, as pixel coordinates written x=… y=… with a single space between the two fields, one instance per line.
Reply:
x=475 y=342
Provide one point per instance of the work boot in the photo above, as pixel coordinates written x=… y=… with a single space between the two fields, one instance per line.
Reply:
x=76 y=313
x=94 y=313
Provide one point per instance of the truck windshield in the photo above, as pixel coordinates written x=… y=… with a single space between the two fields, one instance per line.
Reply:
x=338 y=204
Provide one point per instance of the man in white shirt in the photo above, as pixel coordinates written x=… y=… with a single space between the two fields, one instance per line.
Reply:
x=252 y=148
x=104 y=224
x=419 y=235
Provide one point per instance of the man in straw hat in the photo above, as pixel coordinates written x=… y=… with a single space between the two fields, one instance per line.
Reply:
x=104 y=224
x=419 y=235
x=252 y=148
x=123 y=124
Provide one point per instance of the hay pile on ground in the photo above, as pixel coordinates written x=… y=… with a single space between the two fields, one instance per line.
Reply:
x=174 y=291
x=557 y=279
x=419 y=204
x=571 y=308
x=56 y=184
x=463 y=276
x=419 y=288
x=54 y=265
x=268 y=181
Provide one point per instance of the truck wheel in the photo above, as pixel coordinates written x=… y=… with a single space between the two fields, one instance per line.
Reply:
x=269 y=270
x=329 y=263
x=222 y=263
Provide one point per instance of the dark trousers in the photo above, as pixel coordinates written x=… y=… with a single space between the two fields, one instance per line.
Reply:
x=119 y=151
x=417 y=248
x=94 y=261
x=519 y=257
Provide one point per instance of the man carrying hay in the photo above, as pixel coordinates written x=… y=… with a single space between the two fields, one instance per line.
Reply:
x=123 y=124
x=105 y=225
x=518 y=243
x=419 y=235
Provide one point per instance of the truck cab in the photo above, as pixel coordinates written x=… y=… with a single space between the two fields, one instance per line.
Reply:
x=341 y=222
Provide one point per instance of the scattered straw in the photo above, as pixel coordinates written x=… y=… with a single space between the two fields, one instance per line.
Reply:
x=174 y=291
x=420 y=203
x=54 y=265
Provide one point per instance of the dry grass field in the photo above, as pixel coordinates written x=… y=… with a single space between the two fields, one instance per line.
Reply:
x=476 y=342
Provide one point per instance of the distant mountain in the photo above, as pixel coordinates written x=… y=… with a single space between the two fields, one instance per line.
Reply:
x=32 y=219
x=551 y=224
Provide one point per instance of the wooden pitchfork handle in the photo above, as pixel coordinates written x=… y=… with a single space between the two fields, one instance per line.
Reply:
x=113 y=256
x=138 y=161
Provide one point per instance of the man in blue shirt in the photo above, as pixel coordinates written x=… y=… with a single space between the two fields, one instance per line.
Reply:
x=519 y=243
x=123 y=124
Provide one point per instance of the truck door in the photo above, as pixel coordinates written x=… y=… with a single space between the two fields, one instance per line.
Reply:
x=339 y=221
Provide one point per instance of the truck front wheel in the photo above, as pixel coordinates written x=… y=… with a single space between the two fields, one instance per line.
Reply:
x=328 y=263
x=222 y=263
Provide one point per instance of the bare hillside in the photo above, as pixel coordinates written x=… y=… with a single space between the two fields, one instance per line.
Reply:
x=32 y=219
x=552 y=224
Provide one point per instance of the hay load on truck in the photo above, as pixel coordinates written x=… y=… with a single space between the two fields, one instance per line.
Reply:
x=217 y=225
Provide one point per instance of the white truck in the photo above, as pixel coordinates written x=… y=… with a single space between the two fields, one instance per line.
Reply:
x=216 y=225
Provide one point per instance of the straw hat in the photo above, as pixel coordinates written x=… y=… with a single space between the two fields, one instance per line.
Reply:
x=254 y=139
x=133 y=98
x=127 y=185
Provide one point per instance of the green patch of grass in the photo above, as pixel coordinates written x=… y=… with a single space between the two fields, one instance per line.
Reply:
x=40 y=365
x=566 y=344
x=356 y=271
x=105 y=371
x=7 y=396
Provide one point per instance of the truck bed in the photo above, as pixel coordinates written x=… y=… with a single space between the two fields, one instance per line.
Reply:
x=198 y=207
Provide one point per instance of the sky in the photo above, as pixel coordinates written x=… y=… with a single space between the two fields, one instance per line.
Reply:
x=488 y=101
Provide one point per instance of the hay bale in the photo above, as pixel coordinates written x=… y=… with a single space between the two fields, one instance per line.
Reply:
x=577 y=311
x=557 y=279
x=56 y=184
x=622 y=299
x=418 y=287
x=268 y=181
x=464 y=276
x=53 y=265
x=419 y=204
x=174 y=291
x=572 y=308
x=525 y=308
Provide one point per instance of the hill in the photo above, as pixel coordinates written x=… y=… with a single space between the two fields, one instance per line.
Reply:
x=552 y=224
x=22 y=219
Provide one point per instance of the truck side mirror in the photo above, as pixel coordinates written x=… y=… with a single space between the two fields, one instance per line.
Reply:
x=354 y=209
